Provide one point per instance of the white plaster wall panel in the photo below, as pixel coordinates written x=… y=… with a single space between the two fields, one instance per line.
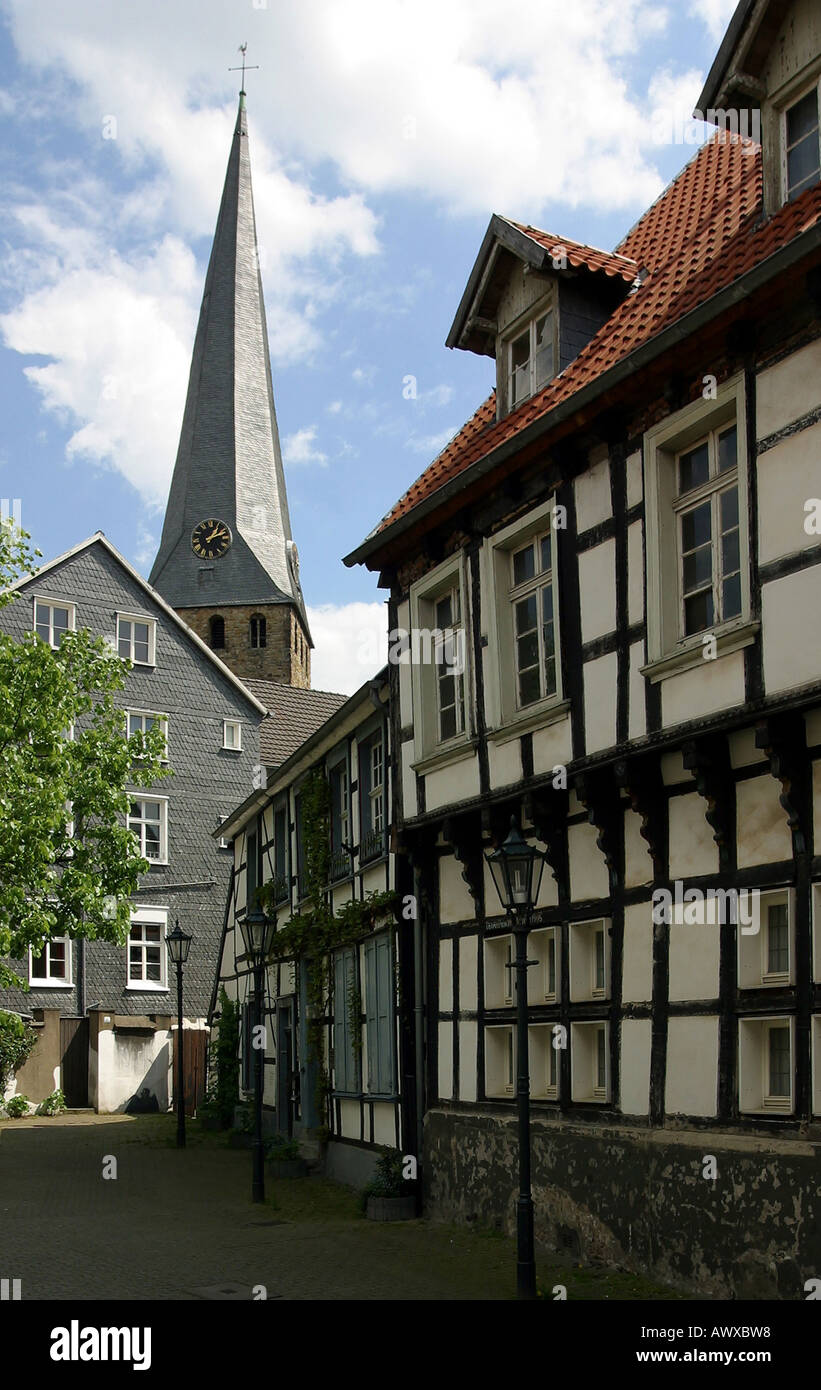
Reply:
x=788 y=390
x=505 y=762
x=445 y=976
x=673 y=770
x=637 y=959
x=743 y=752
x=710 y=686
x=638 y=866
x=468 y=973
x=384 y=1124
x=467 y=1060
x=600 y=679
x=635 y=1066
x=692 y=1067
x=790 y=647
x=694 y=960
x=446 y=1061
x=593 y=503
x=548 y=889
x=409 y=802
x=787 y=477
x=405 y=695
x=127 y=1063
x=552 y=746
x=761 y=824
x=349 y=1116
x=635 y=573
x=812 y=723
x=456 y=782
x=597 y=590
x=455 y=901
x=588 y=871
x=693 y=850
x=637 y=708
x=635 y=484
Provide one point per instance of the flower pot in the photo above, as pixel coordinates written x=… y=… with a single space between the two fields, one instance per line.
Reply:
x=287 y=1167
x=391 y=1209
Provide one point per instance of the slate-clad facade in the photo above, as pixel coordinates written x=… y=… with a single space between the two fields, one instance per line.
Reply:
x=626 y=551
x=130 y=1027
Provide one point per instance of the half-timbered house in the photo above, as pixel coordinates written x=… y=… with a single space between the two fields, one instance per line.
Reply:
x=622 y=549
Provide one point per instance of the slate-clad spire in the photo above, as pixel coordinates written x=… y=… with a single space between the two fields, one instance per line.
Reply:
x=229 y=465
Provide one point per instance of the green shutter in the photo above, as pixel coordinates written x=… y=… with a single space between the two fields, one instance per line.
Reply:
x=379 y=1015
x=345 y=1060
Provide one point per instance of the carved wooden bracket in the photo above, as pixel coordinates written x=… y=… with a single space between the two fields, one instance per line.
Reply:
x=463 y=834
x=600 y=800
x=708 y=759
x=784 y=742
x=547 y=811
x=641 y=779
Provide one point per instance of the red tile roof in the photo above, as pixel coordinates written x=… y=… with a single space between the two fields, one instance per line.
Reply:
x=700 y=235
x=580 y=255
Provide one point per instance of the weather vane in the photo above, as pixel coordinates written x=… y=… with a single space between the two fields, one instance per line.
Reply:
x=252 y=67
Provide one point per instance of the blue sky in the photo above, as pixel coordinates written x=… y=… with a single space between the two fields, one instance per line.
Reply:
x=383 y=135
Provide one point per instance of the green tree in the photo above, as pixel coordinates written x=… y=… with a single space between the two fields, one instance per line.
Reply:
x=68 y=865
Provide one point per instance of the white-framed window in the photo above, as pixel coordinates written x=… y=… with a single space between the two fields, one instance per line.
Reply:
x=147 y=954
x=281 y=851
x=139 y=721
x=136 y=638
x=766 y=1064
x=53 y=618
x=232 y=735
x=222 y=843
x=544 y=1061
x=590 y=959
x=437 y=655
x=543 y=977
x=801 y=144
x=372 y=796
x=697 y=542
x=524 y=618
x=766 y=956
x=500 y=1060
x=148 y=818
x=709 y=538
x=500 y=973
x=51 y=967
x=530 y=356
x=590 y=1061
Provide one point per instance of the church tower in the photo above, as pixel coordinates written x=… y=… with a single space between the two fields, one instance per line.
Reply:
x=227 y=562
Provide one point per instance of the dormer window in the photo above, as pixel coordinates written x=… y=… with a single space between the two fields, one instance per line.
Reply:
x=530 y=359
x=802 y=145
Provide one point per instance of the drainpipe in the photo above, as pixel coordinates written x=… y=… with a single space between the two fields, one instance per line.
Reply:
x=81 y=976
x=418 y=1015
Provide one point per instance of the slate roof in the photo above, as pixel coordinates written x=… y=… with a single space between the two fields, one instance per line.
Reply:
x=699 y=236
x=293 y=715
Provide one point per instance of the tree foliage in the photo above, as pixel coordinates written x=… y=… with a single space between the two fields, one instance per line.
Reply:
x=68 y=865
x=17 y=1040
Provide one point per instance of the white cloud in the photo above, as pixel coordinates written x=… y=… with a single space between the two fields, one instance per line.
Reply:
x=431 y=444
x=716 y=14
x=334 y=407
x=299 y=447
x=351 y=644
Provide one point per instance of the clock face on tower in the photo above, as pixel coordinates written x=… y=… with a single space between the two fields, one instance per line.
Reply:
x=210 y=539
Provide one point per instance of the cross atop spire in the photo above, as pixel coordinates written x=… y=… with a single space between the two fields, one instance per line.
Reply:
x=252 y=67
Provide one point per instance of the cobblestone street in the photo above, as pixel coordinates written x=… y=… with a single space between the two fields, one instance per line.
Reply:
x=181 y=1225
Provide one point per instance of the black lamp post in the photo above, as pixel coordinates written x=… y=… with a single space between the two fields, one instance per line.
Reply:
x=258 y=931
x=179 y=944
x=517 y=869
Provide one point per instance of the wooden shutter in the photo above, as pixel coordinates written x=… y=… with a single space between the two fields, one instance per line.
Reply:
x=379 y=1014
x=345 y=1059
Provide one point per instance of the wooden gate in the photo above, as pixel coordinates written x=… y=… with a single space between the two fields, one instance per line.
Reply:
x=74 y=1061
x=194 y=1048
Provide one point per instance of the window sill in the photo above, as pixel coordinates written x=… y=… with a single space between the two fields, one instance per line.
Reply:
x=690 y=654
x=145 y=987
x=526 y=720
x=430 y=761
x=51 y=984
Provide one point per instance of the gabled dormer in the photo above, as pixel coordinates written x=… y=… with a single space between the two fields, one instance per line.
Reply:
x=766 y=82
x=532 y=302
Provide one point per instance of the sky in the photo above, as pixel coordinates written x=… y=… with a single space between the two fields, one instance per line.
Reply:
x=383 y=136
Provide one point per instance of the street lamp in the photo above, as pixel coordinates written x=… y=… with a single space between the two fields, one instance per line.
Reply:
x=258 y=930
x=516 y=868
x=179 y=944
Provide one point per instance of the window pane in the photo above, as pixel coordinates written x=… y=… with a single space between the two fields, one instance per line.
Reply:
x=545 y=553
x=136 y=810
x=444 y=612
x=141 y=641
x=693 y=468
x=731 y=597
x=550 y=676
x=543 y=356
x=696 y=527
x=57 y=959
x=124 y=643
x=527 y=651
x=729 y=553
x=601 y=1060
x=778 y=953
x=152 y=933
x=134 y=724
x=698 y=612
x=729 y=508
x=698 y=569
x=551 y=967
x=524 y=566
x=526 y=615
x=779 y=1049
x=529 y=690
x=802 y=164
x=599 y=960
x=802 y=118
x=728 y=449
x=447 y=723
x=136 y=932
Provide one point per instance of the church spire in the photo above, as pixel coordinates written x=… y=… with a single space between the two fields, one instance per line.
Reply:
x=229 y=464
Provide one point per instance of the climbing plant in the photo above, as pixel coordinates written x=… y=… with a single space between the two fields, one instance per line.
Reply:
x=17 y=1040
x=222 y=1092
x=313 y=933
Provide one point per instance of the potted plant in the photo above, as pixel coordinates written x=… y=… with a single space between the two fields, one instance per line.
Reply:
x=386 y=1195
x=242 y=1135
x=284 y=1159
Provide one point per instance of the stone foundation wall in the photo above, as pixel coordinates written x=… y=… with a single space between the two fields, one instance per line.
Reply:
x=637 y=1198
x=286 y=656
